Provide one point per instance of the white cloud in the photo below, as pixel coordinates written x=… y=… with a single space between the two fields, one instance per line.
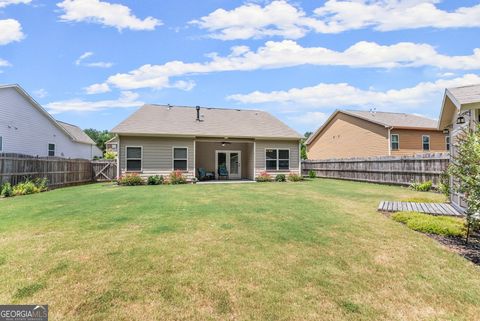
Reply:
x=288 y=53
x=11 y=30
x=4 y=63
x=40 y=93
x=311 y=118
x=127 y=99
x=340 y=95
x=98 y=64
x=4 y=3
x=281 y=18
x=97 y=89
x=105 y=13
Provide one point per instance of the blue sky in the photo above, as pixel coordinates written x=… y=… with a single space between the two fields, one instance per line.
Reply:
x=93 y=62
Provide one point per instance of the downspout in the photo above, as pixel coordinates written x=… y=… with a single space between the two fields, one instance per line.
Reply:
x=389 y=141
x=119 y=148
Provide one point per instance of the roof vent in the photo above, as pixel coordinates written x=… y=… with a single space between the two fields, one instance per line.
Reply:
x=198 y=113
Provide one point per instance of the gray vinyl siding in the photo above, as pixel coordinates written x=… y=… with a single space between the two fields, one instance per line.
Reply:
x=157 y=155
x=25 y=130
x=261 y=145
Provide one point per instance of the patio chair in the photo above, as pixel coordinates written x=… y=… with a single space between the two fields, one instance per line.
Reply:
x=203 y=175
x=222 y=172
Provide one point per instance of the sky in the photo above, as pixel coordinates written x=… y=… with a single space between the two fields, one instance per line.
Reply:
x=94 y=62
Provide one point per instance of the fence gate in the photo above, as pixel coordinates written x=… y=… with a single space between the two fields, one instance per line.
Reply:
x=104 y=170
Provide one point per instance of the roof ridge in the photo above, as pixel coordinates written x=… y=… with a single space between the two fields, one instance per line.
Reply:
x=204 y=107
x=473 y=85
x=388 y=112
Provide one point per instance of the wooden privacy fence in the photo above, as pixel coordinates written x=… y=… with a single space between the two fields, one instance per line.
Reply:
x=17 y=168
x=104 y=170
x=388 y=170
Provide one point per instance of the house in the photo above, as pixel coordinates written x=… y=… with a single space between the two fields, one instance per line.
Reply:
x=27 y=128
x=159 y=139
x=111 y=145
x=460 y=110
x=352 y=133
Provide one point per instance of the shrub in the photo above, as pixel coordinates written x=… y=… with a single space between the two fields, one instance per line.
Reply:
x=425 y=223
x=25 y=188
x=6 y=190
x=41 y=184
x=312 y=174
x=155 y=180
x=110 y=155
x=293 y=177
x=264 y=177
x=421 y=187
x=130 y=180
x=444 y=184
x=177 y=177
x=280 y=178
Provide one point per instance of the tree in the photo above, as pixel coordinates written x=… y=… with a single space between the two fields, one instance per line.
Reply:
x=100 y=137
x=465 y=171
x=303 y=146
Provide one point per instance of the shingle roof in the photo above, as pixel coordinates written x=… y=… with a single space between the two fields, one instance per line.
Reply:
x=466 y=94
x=218 y=122
x=395 y=119
x=77 y=133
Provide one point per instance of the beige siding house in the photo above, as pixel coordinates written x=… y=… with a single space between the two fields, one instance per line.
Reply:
x=460 y=110
x=352 y=133
x=159 y=139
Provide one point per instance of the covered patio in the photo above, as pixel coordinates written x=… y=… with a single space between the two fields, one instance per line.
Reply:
x=234 y=157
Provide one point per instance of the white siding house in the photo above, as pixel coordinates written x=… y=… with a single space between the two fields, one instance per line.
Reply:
x=26 y=128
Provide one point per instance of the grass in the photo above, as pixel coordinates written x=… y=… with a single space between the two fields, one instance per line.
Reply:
x=441 y=225
x=314 y=250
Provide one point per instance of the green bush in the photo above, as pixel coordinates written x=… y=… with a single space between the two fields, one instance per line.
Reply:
x=425 y=223
x=110 y=155
x=421 y=187
x=312 y=174
x=177 y=177
x=25 y=188
x=155 y=180
x=6 y=190
x=280 y=178
x=264 y=177
x=293 y=177
x=41 y=184
x=444 y=184
x=130 y=180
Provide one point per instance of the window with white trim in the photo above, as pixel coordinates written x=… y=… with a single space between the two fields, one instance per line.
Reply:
x=395 y=141
x=51 y=150
x=277 y=159
x=180 y=158
x=1 y=144
x=447 y=142
x=426 y=142
x=134 y=159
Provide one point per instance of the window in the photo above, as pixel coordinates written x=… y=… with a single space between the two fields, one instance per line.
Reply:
x=180 y=158
x=277 y=159
x=1 y=143
x=447 y=142
x=134 y=159
x=113 y=147
x=51 y=150
x=426 y=142
x=395 y=141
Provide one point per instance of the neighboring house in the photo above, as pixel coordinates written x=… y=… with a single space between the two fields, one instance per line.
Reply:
x=460 y=110
x=349 y=133
x=160 y=139
x=111 y=145
x=26 y=128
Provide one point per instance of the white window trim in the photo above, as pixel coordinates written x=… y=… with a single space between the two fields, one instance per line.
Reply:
x=173 y=157
x=1 y=144
x=54 y=149
x=429 y=143
x=278 y=158
x=126 y=158
x=398 y=141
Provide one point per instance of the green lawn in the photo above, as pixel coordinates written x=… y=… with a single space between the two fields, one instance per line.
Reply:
x=315 y=250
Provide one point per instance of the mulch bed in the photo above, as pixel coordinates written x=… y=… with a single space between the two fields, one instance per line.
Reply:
x=470 y=251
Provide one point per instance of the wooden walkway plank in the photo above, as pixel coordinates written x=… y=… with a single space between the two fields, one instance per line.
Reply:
x=427 y=208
